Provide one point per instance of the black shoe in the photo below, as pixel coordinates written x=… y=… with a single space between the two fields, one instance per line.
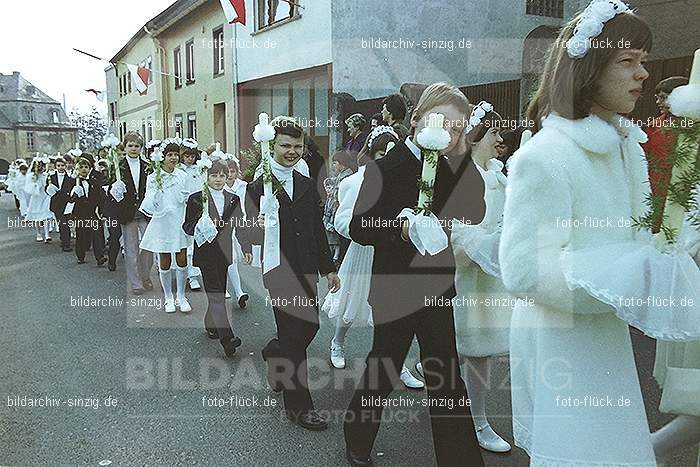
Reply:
x=357 y=461
x=67 y=249
x=137 y=291
x=211 y=333
x=309 y=419
x=112 y=266
x=275 y=385
x=242 y=301
x=81 y=261
x=147 y=284
x=102 y=261
x=230 y=346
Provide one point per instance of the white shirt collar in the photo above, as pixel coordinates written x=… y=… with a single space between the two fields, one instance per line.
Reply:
x=412 y=146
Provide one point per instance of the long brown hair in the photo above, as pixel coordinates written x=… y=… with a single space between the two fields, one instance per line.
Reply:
x=567 y=86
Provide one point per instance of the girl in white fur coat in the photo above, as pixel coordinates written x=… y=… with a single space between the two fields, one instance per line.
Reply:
x=577 y=184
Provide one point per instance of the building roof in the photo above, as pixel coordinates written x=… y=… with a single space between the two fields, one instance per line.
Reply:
x=23 y=105
x=160 y=22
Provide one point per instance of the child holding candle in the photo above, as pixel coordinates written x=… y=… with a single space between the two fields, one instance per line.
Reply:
x=583 y=162
x=411 y=293
x=86 y=194
x=164 y=203
x=188 y=163
x=215 y=257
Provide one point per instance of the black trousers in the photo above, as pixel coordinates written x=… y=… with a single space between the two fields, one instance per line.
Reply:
x=454 y=437
x=63 y=230
x=87 y=236
x=115 y=234
x=296 y=317
x=214 y=278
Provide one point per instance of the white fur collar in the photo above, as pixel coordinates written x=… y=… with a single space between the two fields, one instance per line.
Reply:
x=594 y=134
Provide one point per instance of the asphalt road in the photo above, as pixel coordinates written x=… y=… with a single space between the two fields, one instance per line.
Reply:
x=129 y=385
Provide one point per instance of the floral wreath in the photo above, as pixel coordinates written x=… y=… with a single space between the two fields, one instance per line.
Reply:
x=593 y=18
x=190 y=143
x=153 y=143
x=380 y=130
x=478 y=113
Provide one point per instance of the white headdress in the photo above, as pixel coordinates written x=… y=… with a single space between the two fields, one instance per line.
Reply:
x=380 y=130
x=478 y=113
x=593 y=18
x=189 y=143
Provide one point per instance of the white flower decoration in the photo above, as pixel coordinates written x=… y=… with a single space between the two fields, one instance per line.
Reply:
x=263 y=133
x=153 y=143
x=110 y=141
x=204 y=163
x=594 y=17
x=157 y=156
x=478 y=112
x=189 y=143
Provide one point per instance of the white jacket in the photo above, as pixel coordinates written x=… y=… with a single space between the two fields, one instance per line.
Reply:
x=575 y=184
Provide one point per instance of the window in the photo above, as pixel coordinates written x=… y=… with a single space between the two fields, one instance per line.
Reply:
x=551 y=8
x=113 y=112
x=274 y=11
x=219 y=48
x=178 y=125
x=189 y=61
x=177 y=66
x=29 y=113
x=54 y=116
x=30 y=141
x=149 y=129
x=122 y=130
x=128 y=82
x=192 y=125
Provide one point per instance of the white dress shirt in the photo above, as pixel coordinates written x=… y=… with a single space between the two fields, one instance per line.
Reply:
x=284 y=175
x=218 y=197
x=135 y=167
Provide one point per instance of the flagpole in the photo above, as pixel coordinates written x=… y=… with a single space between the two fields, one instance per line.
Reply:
x=123 y=63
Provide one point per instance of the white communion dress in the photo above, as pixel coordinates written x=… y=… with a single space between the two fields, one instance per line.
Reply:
x=350 y=303
x=483 y=306
x=166 y=207
x=38 y=201
x=575 y=186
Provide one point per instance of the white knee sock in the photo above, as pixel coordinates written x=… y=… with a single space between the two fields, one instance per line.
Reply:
x=341 y=329
x=180 y=279
x=477 y=381
x=166 y=280
x=235 y=279
x=46 y=229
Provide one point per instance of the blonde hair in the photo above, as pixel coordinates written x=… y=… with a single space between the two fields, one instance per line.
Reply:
x=441 y=93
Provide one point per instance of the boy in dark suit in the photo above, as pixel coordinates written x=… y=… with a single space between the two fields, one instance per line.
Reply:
x=59 y=186
x=86 y=195
x=410 y=293
x=214 y=258
x=304 y=255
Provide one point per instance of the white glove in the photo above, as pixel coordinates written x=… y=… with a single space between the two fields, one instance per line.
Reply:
x=77 y=191
x=118 y=190
x=52 y=189
x=205 y=230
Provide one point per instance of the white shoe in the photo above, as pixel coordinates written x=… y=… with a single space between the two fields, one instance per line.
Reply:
x=337 y=355
x=39 y=238
x=194 y=284
x=409 y=380
x=170 y=306
x=419 y=369
x=228 y=295
x=489 y=439
x=185 y=306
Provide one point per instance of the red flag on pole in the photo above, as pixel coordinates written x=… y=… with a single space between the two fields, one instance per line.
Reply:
x=140 y=76
x=234 y=11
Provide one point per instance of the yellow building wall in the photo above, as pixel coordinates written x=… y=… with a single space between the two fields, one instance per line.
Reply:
x=206 y=91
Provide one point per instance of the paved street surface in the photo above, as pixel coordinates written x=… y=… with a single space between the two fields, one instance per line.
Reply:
x=132 y=385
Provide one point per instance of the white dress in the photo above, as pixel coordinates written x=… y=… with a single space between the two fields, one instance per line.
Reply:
x=483 y=306
x=194 y=180
x=166 y=207
x=350 y=303
x=239 y=189
x=37 y=200
x=569 y=352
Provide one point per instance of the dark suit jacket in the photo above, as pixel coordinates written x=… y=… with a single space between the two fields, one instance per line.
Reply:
x=126 y=208
x=403 y=280
x=60 y=199
x=220 y=250
x=86 y=206
x=304 y=250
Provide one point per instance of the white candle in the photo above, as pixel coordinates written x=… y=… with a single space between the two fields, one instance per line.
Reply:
x=525 y=137
x=264 y=120
x=695 y=71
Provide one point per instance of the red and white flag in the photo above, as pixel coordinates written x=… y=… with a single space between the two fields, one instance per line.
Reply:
x=234 y=11
x=140 y=76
